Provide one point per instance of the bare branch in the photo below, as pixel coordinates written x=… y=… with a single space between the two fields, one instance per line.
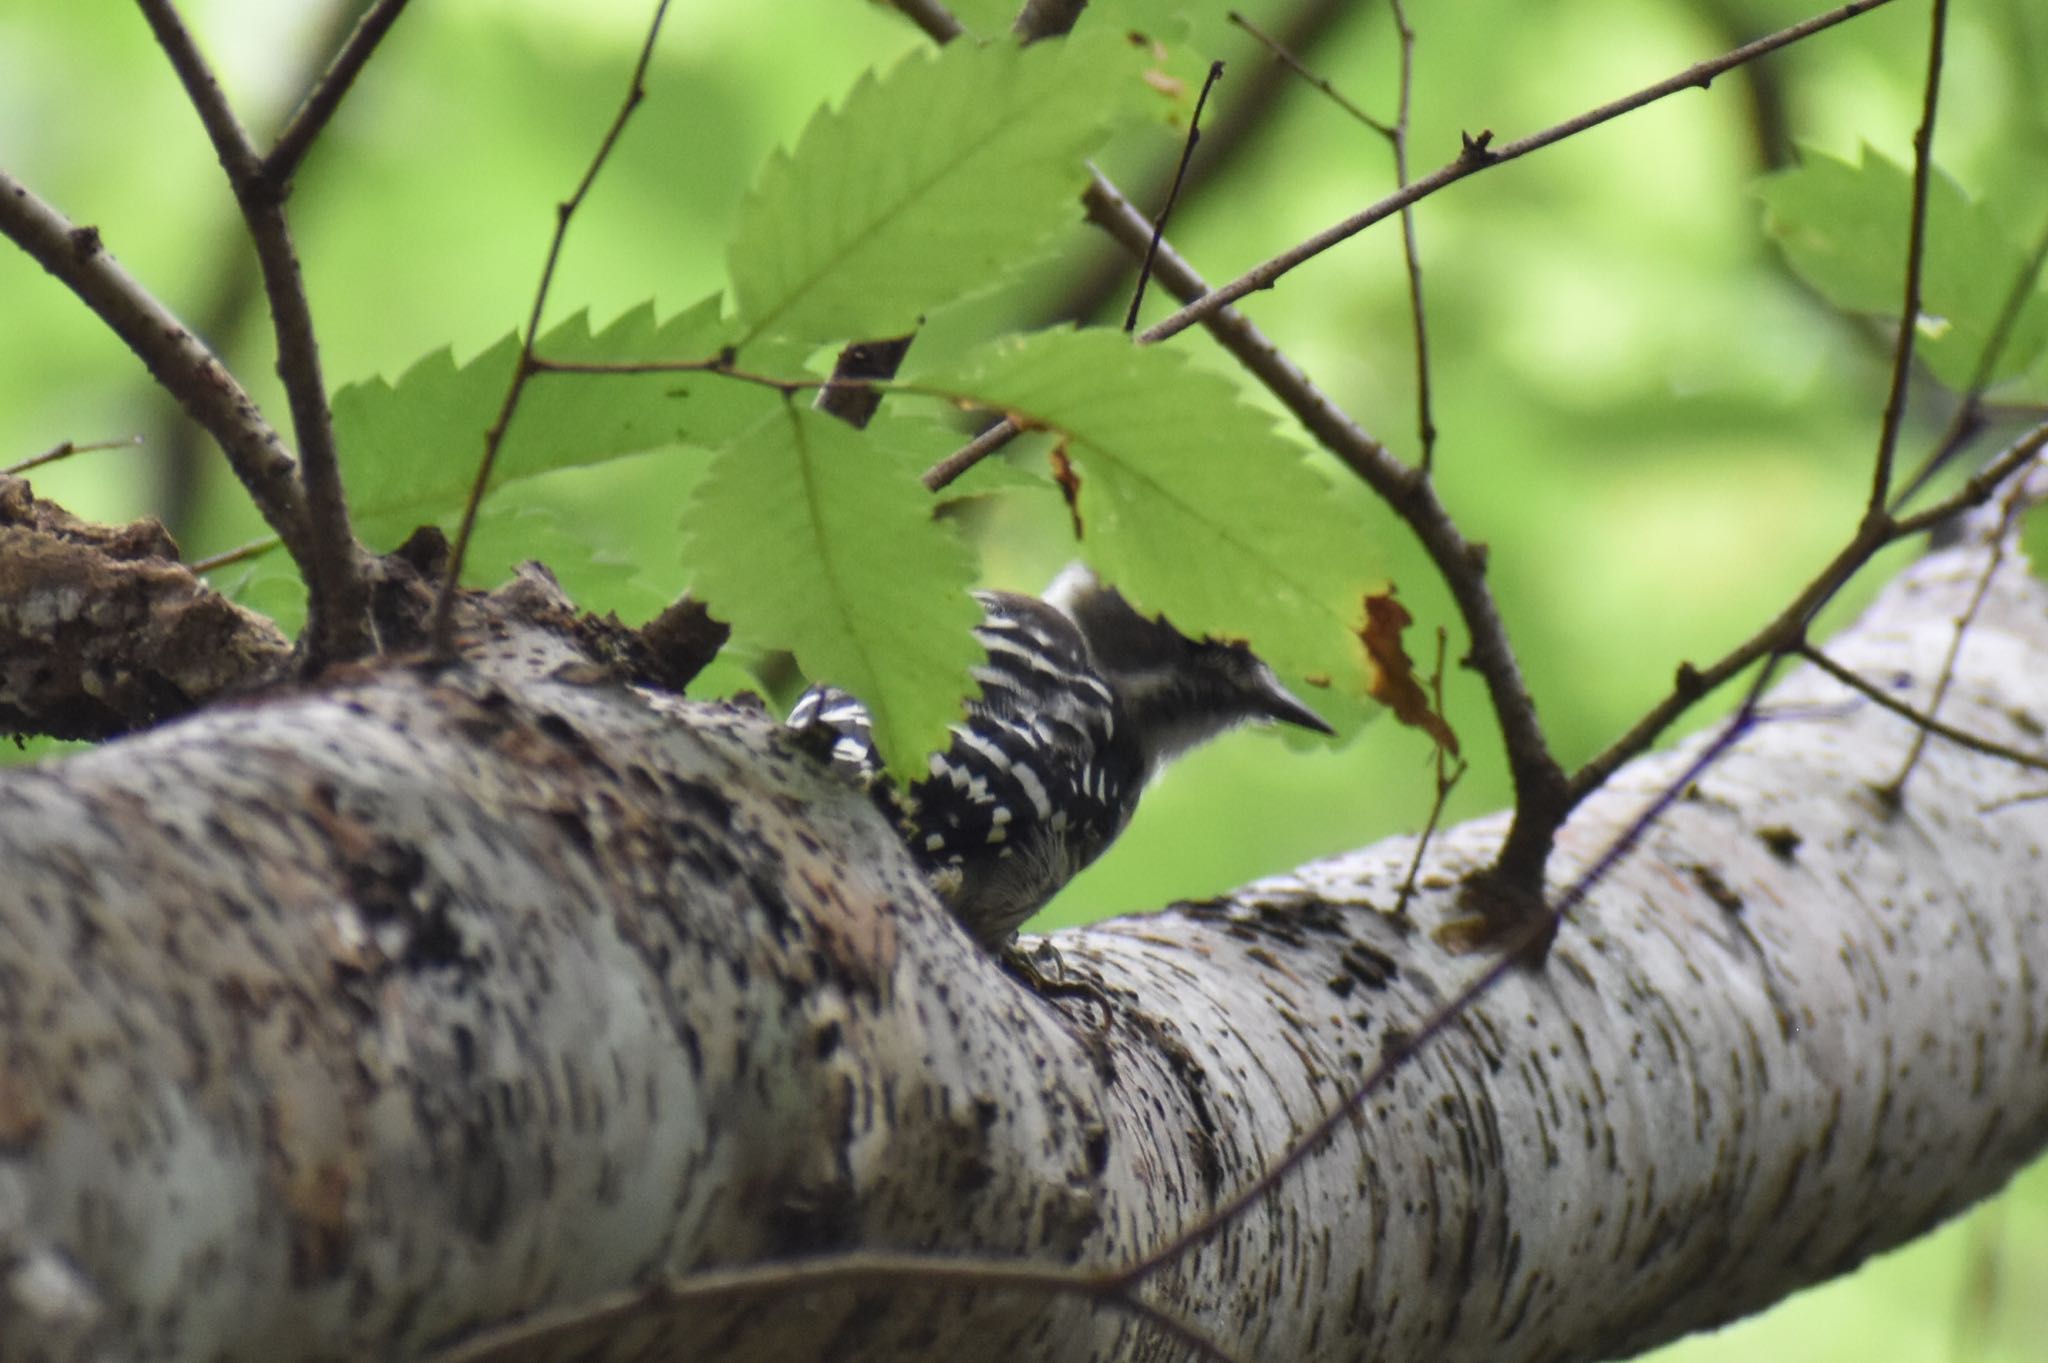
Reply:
x=1970 y=411
x=934 y=18
x=2015 y=502
x=1916 y=246
x=1396 y=134
x=1786 y=631
x=176 y=358
x=65 y=449
x=1425 y=419
x=972 y=453
x=1926 y=722
x=1047 y=18
x=1538 y=780
x=325 y=97
x=1447 y=778
x=441 y=628
x=1180 y=173
x=1478 y=155
x=338 y=607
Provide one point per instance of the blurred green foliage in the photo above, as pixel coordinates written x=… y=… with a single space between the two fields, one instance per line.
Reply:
x=1655 y=426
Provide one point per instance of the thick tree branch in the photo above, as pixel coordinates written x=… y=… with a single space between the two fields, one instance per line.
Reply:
x=103 y=631
x=549 y=1000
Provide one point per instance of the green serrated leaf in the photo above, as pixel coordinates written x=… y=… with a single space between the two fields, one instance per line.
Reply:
x=409 y=449
x=813 y=536
x=1842 y=226
x=1189 y=499
x=940 y=179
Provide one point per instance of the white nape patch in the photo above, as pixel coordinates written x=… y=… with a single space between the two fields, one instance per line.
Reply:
x=1074 y=581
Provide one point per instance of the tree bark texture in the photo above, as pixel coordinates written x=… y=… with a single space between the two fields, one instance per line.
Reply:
x=354 y=1021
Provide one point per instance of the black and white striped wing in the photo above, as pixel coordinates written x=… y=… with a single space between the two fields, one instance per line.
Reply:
x=853 y=747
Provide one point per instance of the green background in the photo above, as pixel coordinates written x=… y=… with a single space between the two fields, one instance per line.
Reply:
x=1658 y=431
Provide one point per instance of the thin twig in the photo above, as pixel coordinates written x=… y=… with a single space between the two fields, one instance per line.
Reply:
x=1046 y=18
x=1180 y=173
x=934 y=18
x=65 y=450
x=1286 y=58
x=1970 y=411
x=1478 y=155
x=860 y=1271
x=1923 y=720
x=1786 y=631
x=178 y=360
x=1980 y=486
x=1425 y=417
x=1102 y=278
x=1447 y=778
x=972 y=453
x=2015 y=502
x=233 y=287
x=1916 y=246
x=338 y=599
x=440 y=629
x=241 y=553
x=325 y=96
x=1538 y=780
x=1396 y=135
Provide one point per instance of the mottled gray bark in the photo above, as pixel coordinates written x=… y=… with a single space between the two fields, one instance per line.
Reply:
x=350 y=1023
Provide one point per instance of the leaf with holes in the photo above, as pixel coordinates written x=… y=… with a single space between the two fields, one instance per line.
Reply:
x=812 y=536
x=939 y=179
x=1189 y=499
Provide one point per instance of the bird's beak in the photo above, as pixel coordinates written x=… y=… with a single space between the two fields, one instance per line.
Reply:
x=1283 y=705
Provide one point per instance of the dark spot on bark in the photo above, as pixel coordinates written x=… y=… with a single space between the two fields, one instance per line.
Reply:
x=772 y=902
x=703 y=801
x=813 y=1219
x=435 y=944
x=564 y=733
x=693 y=1051
x=1782 y=841
x=1370 y=967
x=382 y=877
x=573 y=827
x=1716 y=889
x=1095 y=1148
x=480 y=1182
